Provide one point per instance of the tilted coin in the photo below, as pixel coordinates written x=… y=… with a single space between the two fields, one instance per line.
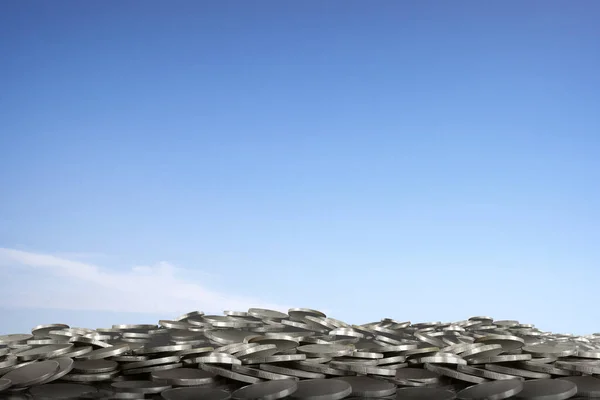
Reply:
x=65 y=366
x=271 y=390
x=424 y=394
x=497 y=390
x=452 y=373
x=33 y=373
x=184 y=377
x=332 y=350
x=315 y=389
x=229 y=374
x=148 y=363
x=417 y=374
x=42 y=352
x=95 y=366
x=516 y=371
x=484 y=373
x=365 y=386
x=291 y=371
x=195 y=393
x=145 y=387
x=5 y=384
x=547 y=389
x=61 y=391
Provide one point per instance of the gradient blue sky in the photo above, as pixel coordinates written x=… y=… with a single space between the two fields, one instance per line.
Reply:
x=419 y=160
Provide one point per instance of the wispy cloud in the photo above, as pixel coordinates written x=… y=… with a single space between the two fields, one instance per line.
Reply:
x=60 y=282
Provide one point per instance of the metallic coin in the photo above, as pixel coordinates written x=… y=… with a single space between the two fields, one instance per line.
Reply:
x=275 y=359
x=259 y=351
x=508 y=342
x=587 y=386
x=322 y=389
x=95 y=366
x=195 y=393
x=32 y=374
x=547 y=389
x=43 y=352
x=61 y=391
x=441 y=359
x=228 y=336
x=391 y=360
x=216 y=358
x=258 y=373
x=417 y=374
x=497 y=390
x=145 y=387
x=484 y=373
x=106 y=352
x=331 y=350
x=271 y=390
x=321 y=368
x=545 y=368
x=78 y=352
x=489 y=350
x=105 y=376
x=501 y=359
x=291 y=371
x=65 y=366
x=184 y=377
x=10 y=360
x=300 y=313
x=267 y=314
x=229 y=374
x=15 y=338
x=452 y=373
x=517 y=372
x=365 y=386
x=5 y=384
x=154 y=368
x=424 y=394
x=148 y=363
x=549 y=350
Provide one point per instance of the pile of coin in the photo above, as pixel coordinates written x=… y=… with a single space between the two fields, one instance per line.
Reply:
x=266 y=354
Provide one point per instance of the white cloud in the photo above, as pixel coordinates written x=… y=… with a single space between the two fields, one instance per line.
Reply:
x=59 y=282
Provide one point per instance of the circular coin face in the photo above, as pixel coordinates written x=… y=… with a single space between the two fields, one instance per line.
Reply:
x=325 y=389
x=421 y=393
x=271 y=390
x=195 y=393
x=542 y=389
x=496 y=390
x=61 y=391
x=33 y=373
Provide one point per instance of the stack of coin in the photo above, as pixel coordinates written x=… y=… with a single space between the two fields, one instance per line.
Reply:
x=266 y=354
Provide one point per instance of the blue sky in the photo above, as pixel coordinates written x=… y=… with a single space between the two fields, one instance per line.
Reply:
x=417 y=160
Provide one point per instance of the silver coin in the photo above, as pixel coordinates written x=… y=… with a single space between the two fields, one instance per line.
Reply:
x=11 y=360
x=229 y=374
x=95 y=366
x=501 y=359
x=452 y=373
x=300 y=313
x=195 y=393
x=148 y=363
x=497 y=390
x=275 y=359
x=489 y=350
x=322 y=389
x=271 y=390
x=154 y=368
x=516 y=371
x=184 y=377
x=547 y=389
x=484 y=373
x=15 y=338
x=106 y=352
x=259 y=351
x=61 y=391
x=417 y=374
x=267 y=314
x=65 y=366
x=105 y=376
x=331 y=350
x=228 y=336
x=145 y=387
x=424 y=394
x=545 y=368
x=42 y=352
x=587 y=386
x=258 y=373
x=5 y=384
x=365 y=386
x=549 y=350
x=282 y=345
x=321 y=368
x=291 y=371
x=32 y=374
